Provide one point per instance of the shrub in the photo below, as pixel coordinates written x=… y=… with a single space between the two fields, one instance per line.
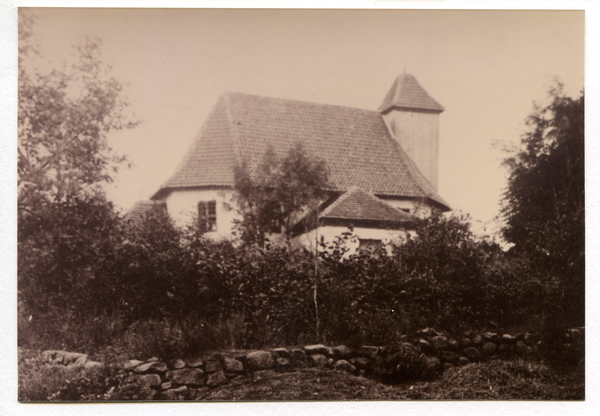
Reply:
x=402 y=363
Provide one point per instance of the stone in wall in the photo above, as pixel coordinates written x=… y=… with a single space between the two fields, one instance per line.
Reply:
x=212 y=364
x=341 y=352
x=194 y=362
x=259 y=360
x=231 y=365
x=150 y=380
x=343 y=365
x=194 y=376
x=439 y=343
x=154 y=366
x=316 y=349
x=453 y=345
x=216 y=379
x=472 y=354
x=280 y=352
x=318 y=360
x=488 y=349
x=450 y=357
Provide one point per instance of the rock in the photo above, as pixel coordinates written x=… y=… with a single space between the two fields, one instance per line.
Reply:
x=424 y=346
x=231 y=365
x=92 y=364
x=490 y=337
x=450 y=357
x=165 y=386
x=150 y=380
x=318 y=360
x=447 y=366
x=194 y=362
x=508 y=339
x=61 y=357
x=316 y=349
x=439 y=343
x=174 y=394
x=154 y=366
x=131 y=364
x=463 y=361
x=505 y=349
x=522 y=348
x=472 y=354
x=193 y=376
x=298 y=354
x=80 y=362
x=361 y=363
x=213 y=364
x=259 y=360
x=330 y=362
x=216 y=379
x=298 y=358
x=341 y=351
x=466 y=343
x=427 y=332
x=345 y=366
x=477 y=340
x=369 y=351
x=177 y=364
x=488 y=348
x=280 y=352
x=453 y=345
x=283 y=364
x=152 y=360
x=433 y=364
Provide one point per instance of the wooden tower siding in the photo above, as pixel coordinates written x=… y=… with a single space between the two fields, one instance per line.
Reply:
x=418 y=134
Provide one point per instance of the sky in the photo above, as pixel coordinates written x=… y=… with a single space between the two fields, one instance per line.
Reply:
x=485 y=67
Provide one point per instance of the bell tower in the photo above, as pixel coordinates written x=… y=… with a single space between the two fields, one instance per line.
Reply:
x=412 y=117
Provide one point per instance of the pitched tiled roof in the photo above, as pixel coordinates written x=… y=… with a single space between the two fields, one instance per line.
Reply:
x=357 y=204
x=143 y=208
x=408 y=93
x=355 y=144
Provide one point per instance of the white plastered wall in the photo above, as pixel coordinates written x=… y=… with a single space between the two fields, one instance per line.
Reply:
x=182 y=205
x=420 y=209
x=330 y=233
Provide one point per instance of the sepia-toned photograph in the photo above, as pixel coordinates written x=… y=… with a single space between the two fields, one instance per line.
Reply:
x=300 y=205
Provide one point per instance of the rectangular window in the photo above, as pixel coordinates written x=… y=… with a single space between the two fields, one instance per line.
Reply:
x=369 y=245
x=207 y=215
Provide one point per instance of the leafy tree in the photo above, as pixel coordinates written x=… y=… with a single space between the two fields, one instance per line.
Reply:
x=544 y=203
x=64 y=219
x=271 y=198
x=64 y=117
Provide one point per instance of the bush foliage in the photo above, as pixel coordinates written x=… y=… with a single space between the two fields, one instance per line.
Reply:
x=154 y=289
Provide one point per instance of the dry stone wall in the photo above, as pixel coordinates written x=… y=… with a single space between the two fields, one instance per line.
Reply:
x=182 y=379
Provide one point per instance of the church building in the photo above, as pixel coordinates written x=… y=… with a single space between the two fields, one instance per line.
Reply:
x=383 y=165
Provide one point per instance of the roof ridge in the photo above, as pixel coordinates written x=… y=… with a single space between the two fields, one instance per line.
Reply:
x=295 y=100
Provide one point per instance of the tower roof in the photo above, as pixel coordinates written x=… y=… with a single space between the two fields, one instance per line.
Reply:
x=406 y=92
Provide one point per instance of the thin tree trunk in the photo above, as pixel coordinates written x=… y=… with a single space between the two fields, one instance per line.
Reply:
x=315 y=287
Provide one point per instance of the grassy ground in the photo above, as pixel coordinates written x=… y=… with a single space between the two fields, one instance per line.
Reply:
x=495 y=380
